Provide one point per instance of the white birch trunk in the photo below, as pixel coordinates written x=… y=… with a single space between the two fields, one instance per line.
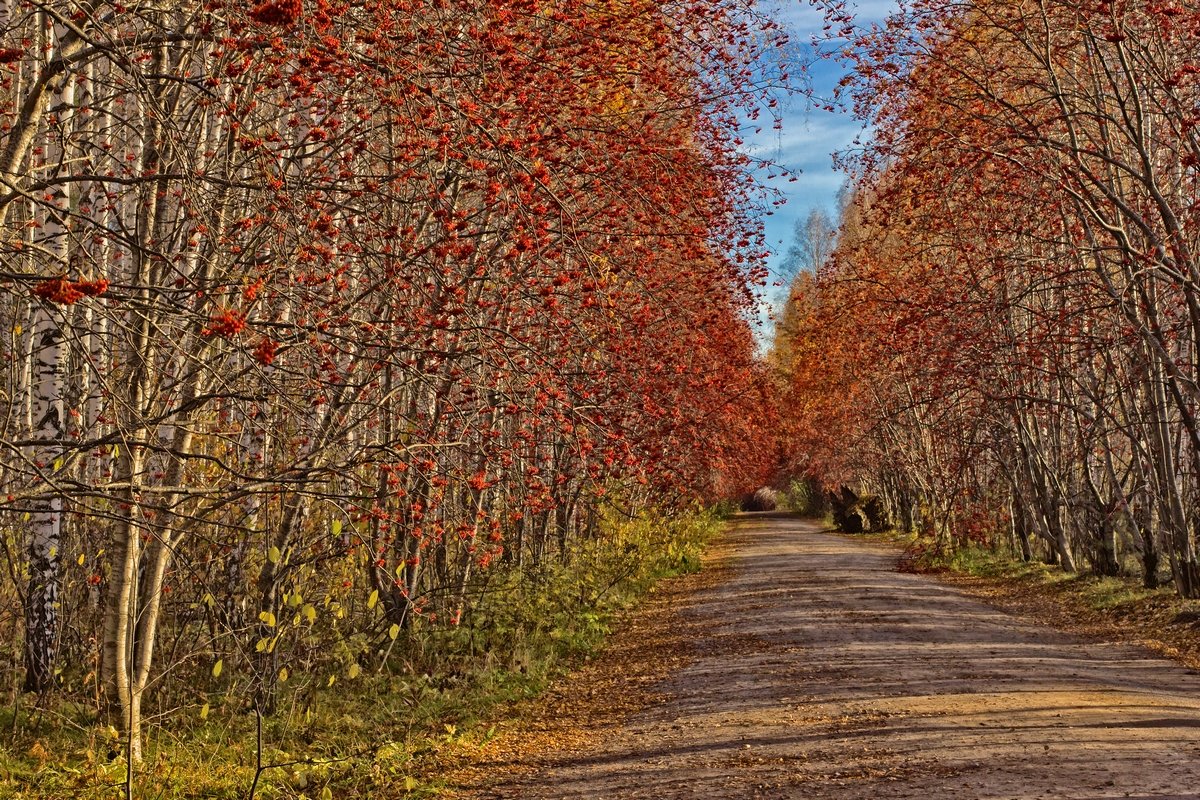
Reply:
x=48 y=412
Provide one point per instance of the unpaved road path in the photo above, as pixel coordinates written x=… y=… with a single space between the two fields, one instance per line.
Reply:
x=821 y=672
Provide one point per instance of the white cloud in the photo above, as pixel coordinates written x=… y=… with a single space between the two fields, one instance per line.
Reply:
x=807 y=138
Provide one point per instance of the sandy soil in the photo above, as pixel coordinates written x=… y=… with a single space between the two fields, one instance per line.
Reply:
x=813 y=669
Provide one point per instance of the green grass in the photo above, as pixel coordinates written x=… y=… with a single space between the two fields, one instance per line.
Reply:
x=1117 y=607
x=374 y=735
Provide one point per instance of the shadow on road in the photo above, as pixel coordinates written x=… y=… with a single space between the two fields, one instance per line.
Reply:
x=819 y=671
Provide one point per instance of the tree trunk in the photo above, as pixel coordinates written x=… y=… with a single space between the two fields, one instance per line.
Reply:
x=1020 y=528
x=121 y=611
x=49 y=413
x=1105 y=560
x=1150 y=557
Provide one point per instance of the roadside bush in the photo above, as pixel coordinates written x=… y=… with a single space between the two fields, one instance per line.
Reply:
x=805 y=497
x=763 y=499
x=360 y=717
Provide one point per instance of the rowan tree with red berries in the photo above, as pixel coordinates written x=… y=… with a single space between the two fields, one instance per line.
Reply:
x=324 y=312
x=1009 y=316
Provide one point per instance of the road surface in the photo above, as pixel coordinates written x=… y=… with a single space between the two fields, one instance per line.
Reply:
x=819 y=671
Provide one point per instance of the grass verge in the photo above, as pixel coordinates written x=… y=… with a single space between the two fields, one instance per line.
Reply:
x=1109 y=608
x=386 y=733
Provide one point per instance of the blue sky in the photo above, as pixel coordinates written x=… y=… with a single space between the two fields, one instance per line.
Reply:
x=808 y=138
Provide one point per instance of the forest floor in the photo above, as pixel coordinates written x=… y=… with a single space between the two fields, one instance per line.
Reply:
x=802 y=664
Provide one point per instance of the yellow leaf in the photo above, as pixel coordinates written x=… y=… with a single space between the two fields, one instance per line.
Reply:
x=116 y=451
x=336 y=527
x=295 y=599
x=373 y=599
x=261 y=645
x=410 y=783
x=273 y=554
x=267 y=618
x=326 y=794
x=17 y=330
x=209 y=600
x=283 y=675
x=204 y=711
x=353 y=671
x=81 y=559
x=217 y=667
x=58 y=463
x=393 y=632
x=332 y=680
x=309 y=612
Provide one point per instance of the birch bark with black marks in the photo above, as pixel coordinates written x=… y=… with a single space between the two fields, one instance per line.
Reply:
x=48 y=415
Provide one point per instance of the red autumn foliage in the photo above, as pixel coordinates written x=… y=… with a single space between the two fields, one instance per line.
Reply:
x=264 y=353
x=225 y=323
x=65 y=292
x=281 y=13
x=499 y=257
x=1004 y=343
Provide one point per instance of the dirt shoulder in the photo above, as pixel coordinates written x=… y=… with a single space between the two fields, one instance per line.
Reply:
x=808 y=666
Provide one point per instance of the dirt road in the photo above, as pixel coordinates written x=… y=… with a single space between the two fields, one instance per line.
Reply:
x=821 y=672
